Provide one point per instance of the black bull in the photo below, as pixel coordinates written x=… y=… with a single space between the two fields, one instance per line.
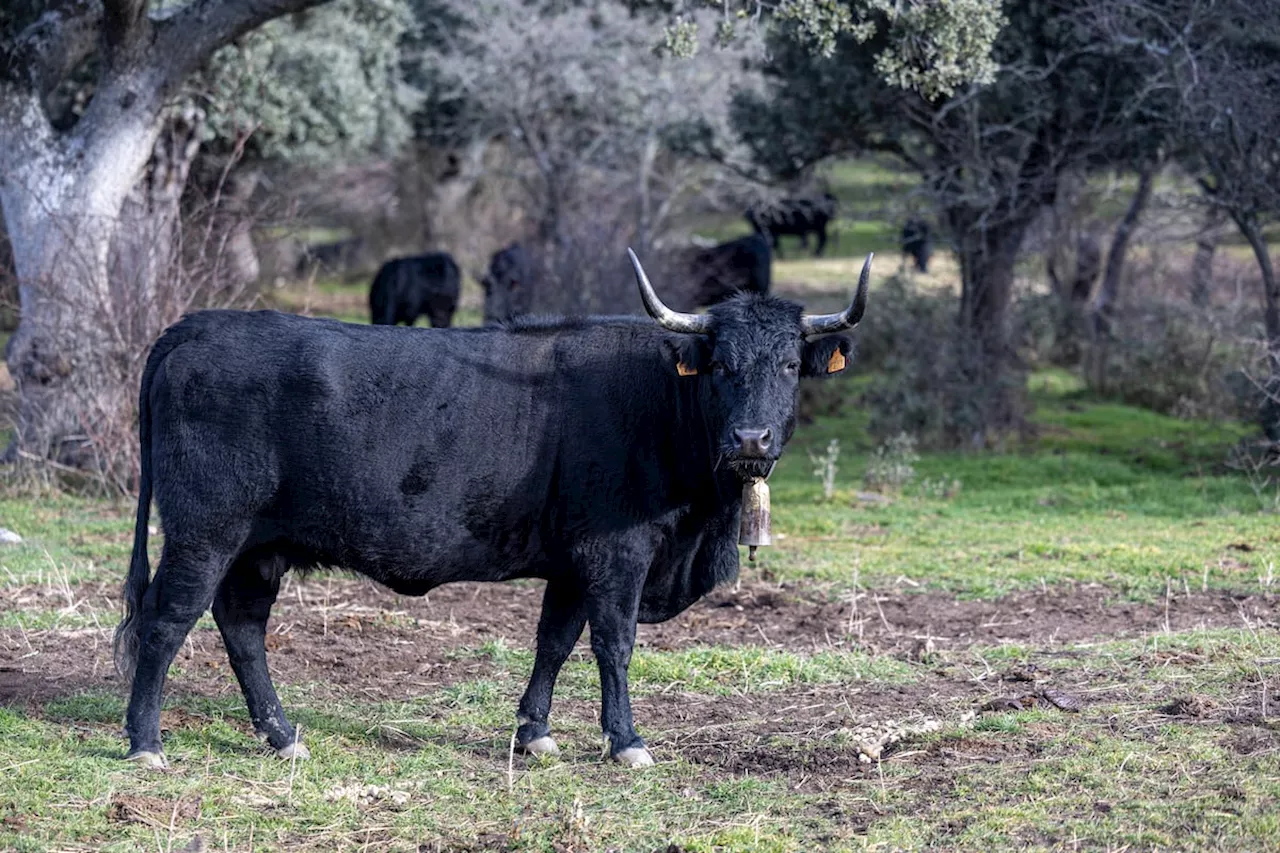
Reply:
x=603 y=455
x=407 y=288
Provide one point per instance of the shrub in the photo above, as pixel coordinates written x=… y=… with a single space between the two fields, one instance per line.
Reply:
x=824 y=468
x=892 y=464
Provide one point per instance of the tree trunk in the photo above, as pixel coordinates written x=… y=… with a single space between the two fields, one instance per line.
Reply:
x=70 y=354
x=1270 y=414
x=1202 y=263
x=644 y=193
x=1109 y=293
x=987 y=257
x=1073 y=290
x=62 y=355
x=63 y=190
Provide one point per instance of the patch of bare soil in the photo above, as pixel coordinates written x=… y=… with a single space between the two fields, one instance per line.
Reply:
x=817 y=738
x=152 y=811
x=354 y=639
x=907 y=624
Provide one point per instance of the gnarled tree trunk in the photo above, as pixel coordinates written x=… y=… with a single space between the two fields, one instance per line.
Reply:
x=62 y=206
x=987 y=256
x=1104 y=306
x=87 y=237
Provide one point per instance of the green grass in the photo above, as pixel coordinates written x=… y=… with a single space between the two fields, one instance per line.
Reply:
x=1106 y=493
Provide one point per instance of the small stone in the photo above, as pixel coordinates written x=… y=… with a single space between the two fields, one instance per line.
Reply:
x=8 y=537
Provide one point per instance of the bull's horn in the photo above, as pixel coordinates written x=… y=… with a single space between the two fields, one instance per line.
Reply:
x=822 y=324
x=667 y=319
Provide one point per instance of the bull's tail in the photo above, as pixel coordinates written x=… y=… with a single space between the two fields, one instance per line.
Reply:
x=125 y=645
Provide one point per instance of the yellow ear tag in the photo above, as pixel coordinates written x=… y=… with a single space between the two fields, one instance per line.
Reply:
x=837 y=362
x=685 y=370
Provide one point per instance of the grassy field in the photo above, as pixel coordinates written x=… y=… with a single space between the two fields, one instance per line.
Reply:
x=1067 y=645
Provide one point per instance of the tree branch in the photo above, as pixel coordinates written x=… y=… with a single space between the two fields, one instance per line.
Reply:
x=187 y=38
x=51 y=48
x=120 y=21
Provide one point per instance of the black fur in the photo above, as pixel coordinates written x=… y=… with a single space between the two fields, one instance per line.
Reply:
x=565 y=450
x=738 y=266
x=509 y=284
x=794 y=217
x=917 y=243
x=407 y=288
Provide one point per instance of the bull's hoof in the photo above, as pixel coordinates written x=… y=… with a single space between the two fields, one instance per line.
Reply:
x=294 y=751
x=636 y=756
x=541 y=746
x=148 y=760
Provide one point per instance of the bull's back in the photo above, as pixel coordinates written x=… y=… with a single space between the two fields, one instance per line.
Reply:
x=386 y=451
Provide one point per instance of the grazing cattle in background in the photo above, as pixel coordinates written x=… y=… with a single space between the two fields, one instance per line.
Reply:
x=739 y=266
x=917 y=243
x=794 y=217
x=604 y=455
x=508 y=285
x=407 y=288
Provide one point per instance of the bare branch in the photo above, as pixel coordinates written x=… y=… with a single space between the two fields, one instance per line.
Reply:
x=187 y=38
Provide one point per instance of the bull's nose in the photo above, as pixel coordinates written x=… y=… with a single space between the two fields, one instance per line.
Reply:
x=753 y=442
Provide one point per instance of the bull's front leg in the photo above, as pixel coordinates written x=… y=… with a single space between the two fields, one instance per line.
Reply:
x=613 y=602
x=563 y=615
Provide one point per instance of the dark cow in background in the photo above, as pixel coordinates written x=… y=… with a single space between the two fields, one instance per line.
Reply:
x=604 y=455
x=794 y=217
x=407 y=288
x=739 y=266
x=509 y=284
x=917 y=243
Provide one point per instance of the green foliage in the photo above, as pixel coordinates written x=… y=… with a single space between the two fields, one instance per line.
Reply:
x=325 y=84
x=825 y=469
x=1172 y=358
x=930 y=379
x=933 y=47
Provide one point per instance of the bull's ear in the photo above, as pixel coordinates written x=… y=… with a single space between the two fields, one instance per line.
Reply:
x=688 y=354
x=826 y=356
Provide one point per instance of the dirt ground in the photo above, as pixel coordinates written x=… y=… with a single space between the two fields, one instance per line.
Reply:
x=352 y=639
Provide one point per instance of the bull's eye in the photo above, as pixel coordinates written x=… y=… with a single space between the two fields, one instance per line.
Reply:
x=792 y=367
x=718 y=368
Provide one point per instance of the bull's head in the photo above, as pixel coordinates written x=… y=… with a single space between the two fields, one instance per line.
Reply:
x=505 y=292
x=750 y=352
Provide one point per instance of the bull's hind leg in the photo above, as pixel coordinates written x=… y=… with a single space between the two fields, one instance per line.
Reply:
x=241 y=609
x=563 y=617
x=181 y=591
